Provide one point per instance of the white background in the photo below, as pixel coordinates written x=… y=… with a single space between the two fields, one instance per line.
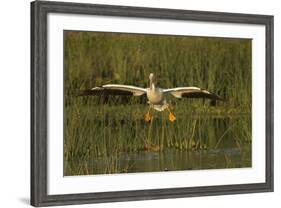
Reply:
x=15 y=96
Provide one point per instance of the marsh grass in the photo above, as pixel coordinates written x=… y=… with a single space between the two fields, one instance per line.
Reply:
x=96 y=127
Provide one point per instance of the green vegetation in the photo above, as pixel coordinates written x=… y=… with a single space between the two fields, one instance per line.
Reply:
x=98 y=132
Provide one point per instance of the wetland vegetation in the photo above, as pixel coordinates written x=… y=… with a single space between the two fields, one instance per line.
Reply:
x=109 y=135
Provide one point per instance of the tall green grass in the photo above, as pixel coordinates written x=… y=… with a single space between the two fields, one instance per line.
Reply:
x=95 y=129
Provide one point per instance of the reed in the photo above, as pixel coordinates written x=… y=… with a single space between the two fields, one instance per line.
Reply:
x=94 y=128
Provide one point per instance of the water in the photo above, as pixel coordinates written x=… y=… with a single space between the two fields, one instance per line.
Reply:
x=172 y=160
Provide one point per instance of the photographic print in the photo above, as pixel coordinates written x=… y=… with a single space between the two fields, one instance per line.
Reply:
x=146 y=103
x=179 y=99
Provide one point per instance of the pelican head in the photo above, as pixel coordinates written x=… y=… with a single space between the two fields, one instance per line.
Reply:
x=152 y=80
x=151 y=76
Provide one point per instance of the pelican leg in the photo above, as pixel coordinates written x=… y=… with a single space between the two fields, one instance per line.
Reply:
x=172 y=117
x=147 y=116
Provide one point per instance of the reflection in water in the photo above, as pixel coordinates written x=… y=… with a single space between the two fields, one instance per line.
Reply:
x=220 y=142
x=179 y=160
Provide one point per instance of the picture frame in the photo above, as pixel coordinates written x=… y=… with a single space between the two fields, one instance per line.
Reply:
x=40 y=101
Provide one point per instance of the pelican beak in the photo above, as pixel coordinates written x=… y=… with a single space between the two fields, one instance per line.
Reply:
x=152 y=80
x=152 y=77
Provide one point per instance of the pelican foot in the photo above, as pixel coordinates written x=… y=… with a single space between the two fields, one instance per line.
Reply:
x=147 y=117
x=172 y=117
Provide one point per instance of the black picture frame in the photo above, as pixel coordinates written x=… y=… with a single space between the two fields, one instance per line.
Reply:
x=39 y=98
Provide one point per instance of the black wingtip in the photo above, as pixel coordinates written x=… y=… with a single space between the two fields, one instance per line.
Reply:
x=217 y=98
x=84 y=93
x=220 y=98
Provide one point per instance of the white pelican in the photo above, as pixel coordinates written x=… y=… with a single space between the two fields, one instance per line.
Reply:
x=156 y=96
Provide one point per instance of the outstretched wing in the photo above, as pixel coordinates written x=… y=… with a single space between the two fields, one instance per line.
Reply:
x=192 y=92
x=114 y=89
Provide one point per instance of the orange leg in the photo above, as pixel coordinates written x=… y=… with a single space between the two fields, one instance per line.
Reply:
x=148 y=117
x=172 y=117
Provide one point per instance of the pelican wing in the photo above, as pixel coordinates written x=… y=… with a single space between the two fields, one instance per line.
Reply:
x=114 y=89
x=192 y=92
